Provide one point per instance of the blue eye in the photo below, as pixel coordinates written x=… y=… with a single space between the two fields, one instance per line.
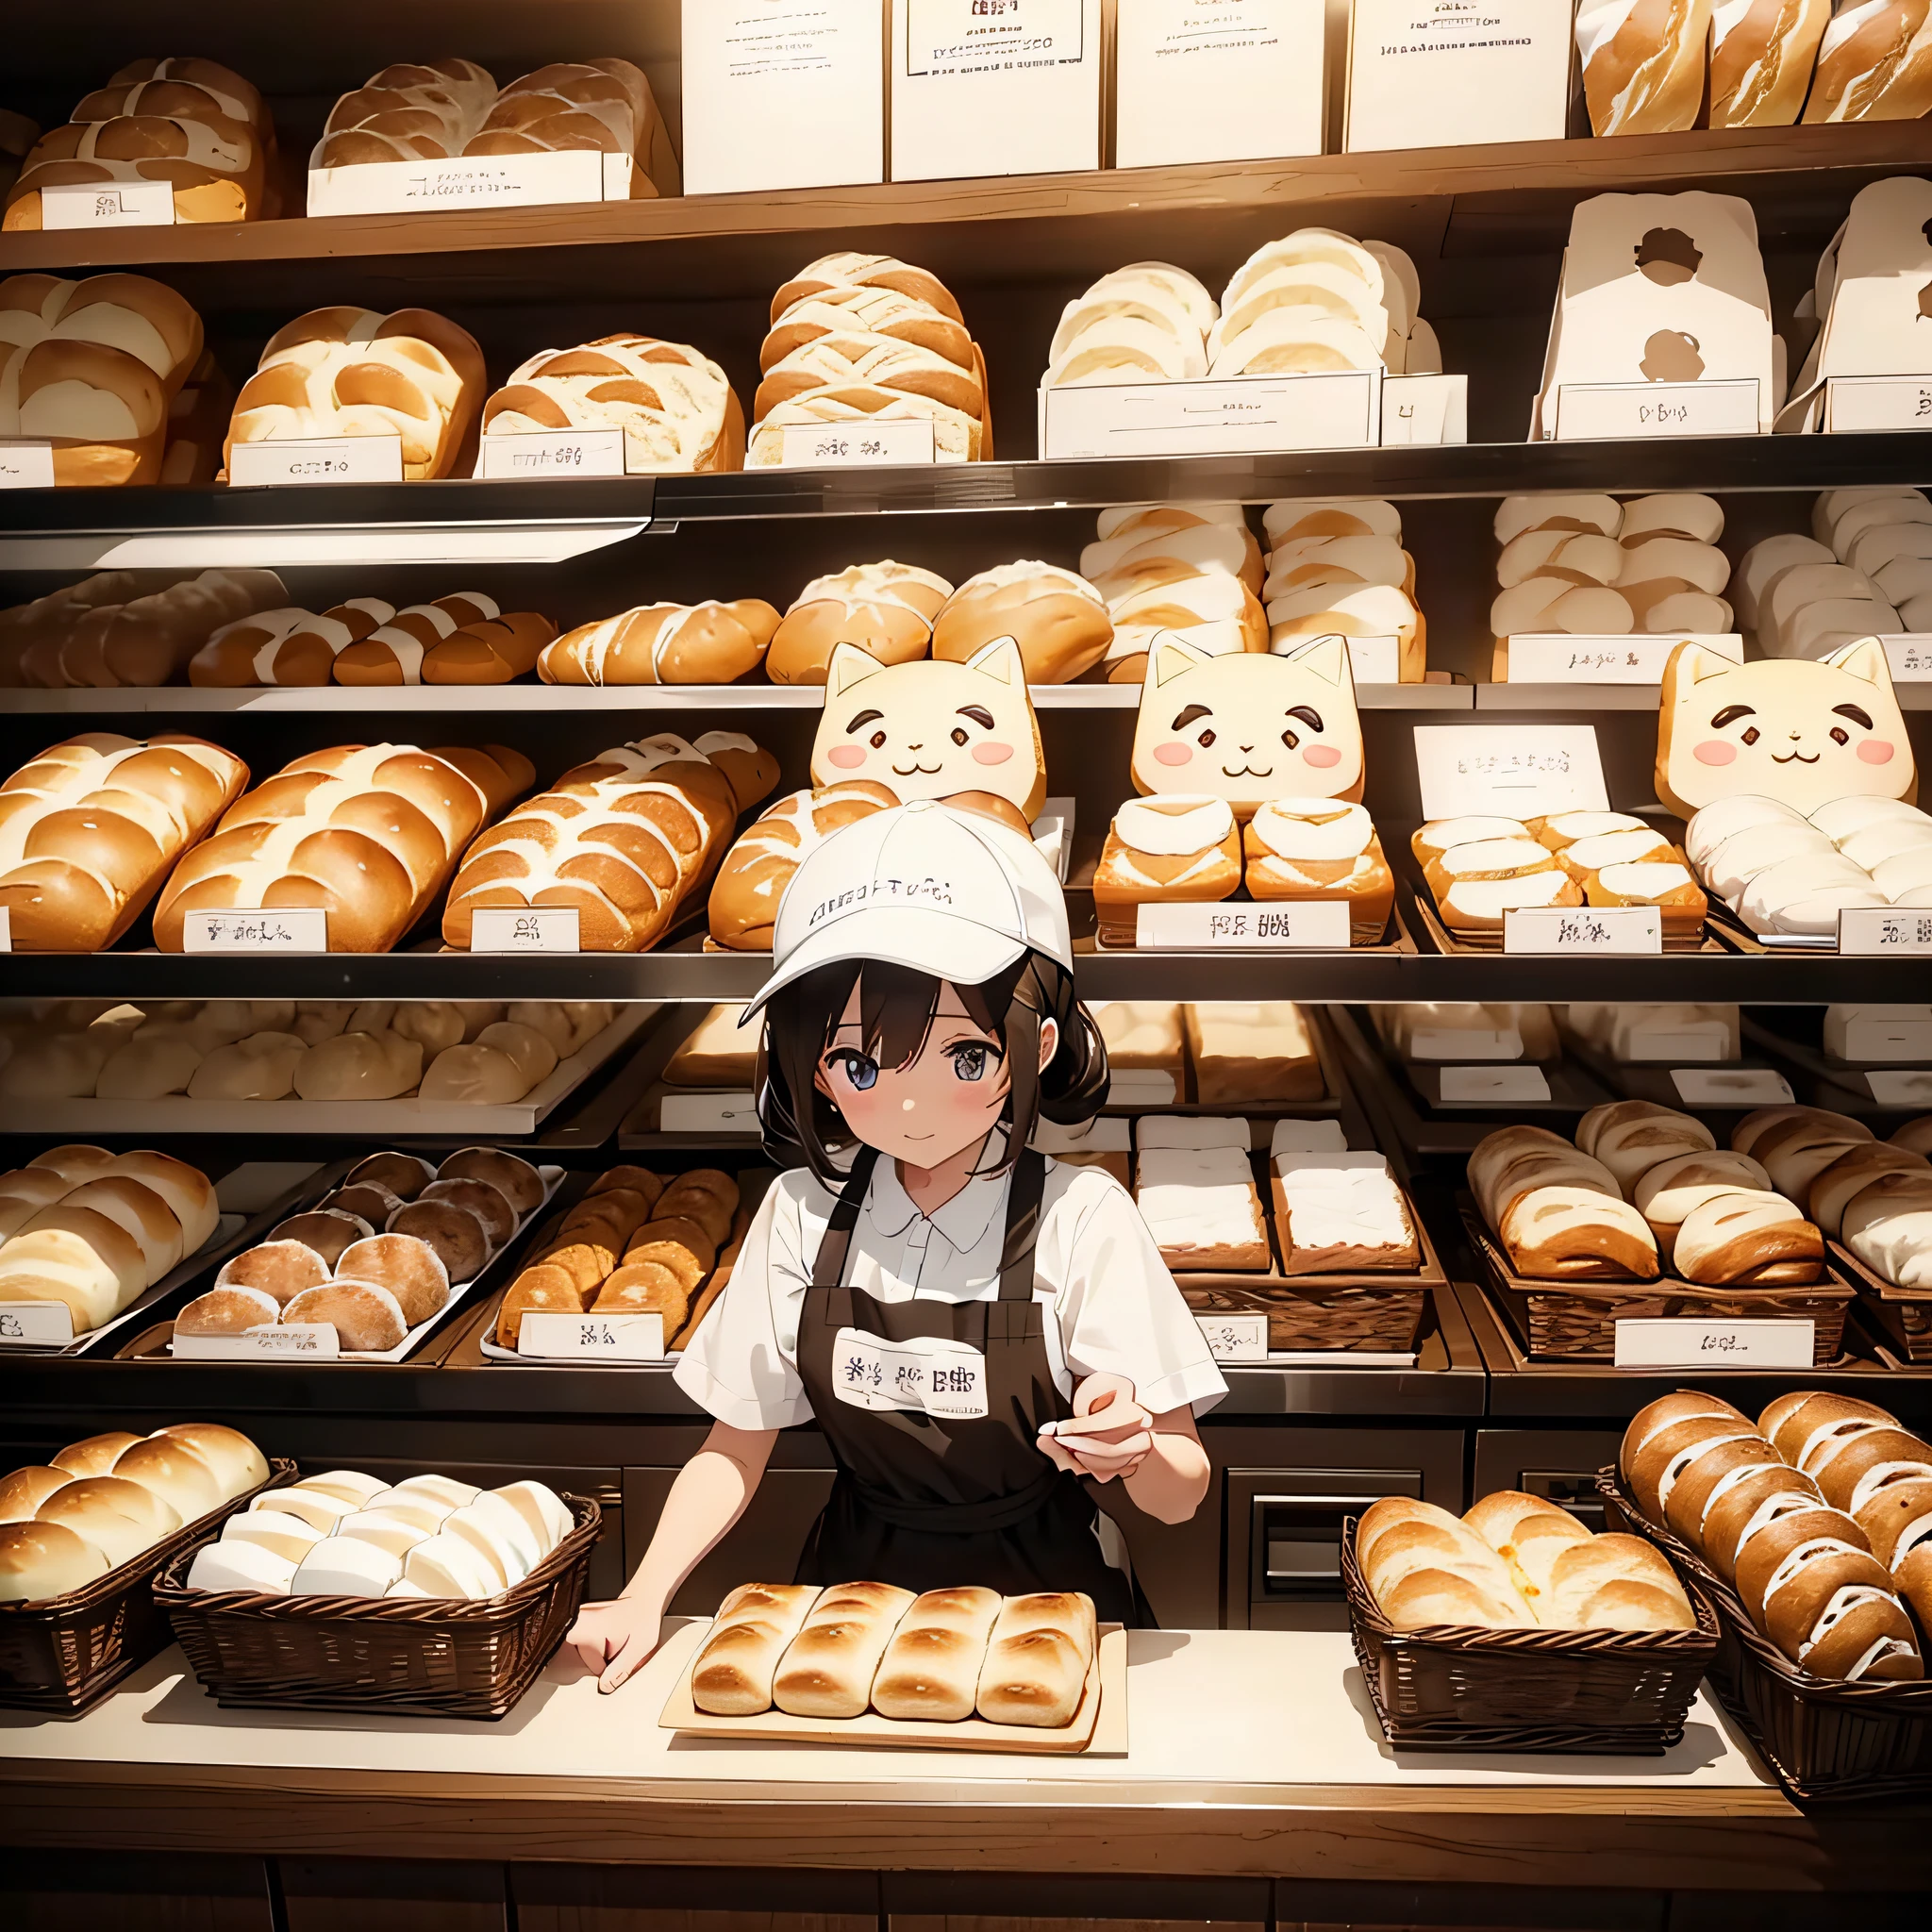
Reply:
x=860 y=1070
x=968 y=1060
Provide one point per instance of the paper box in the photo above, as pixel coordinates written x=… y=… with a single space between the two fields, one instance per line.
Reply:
x=783 y=93
x=995 y=86
x=1446 y=74
x=1217 y=80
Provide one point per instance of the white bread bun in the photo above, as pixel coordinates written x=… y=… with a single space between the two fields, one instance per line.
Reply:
x=419 y=1511
x=46 y=1559
x=151 y=1066
x=387 y=1529
x=351 y=1485
x=499 y=1531
x=239 y=1466
x=244 y=1566
x=261 y=1067
x=23 y=1492
x=91 y=1516
x=1426 y=1599
x=343 y=1566
x=283 y=1535
x=316 y=1508
x=445 y=1489
x=94 y=1455
x=360 y=1066
x=542 y=1508
x=174 y=1472
x=188 y=1192
x=448 y=1566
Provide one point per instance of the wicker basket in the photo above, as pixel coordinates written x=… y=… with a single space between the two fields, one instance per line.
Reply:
x=1829 y=1741
x=425 y=1655
x=1902 y=1315
x=64 y=1654
x=1625 y=1692
x=1305 y=1312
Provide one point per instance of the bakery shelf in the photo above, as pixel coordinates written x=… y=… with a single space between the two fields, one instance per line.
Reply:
x=1570 y=698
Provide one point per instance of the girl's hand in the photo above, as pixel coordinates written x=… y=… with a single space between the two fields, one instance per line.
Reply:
x=1110 y=1434
x=616 y=1638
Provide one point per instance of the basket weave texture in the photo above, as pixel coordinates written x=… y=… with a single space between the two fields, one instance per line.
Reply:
x=1308 y=1312
x=1829 y=1741
x=1625 y=1692
x=431 y=1656
x=64 y=1654
x=1902 y=1315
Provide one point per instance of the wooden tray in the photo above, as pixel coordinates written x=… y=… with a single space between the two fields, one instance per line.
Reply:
x=1902 y=1315
x=1100 y=1725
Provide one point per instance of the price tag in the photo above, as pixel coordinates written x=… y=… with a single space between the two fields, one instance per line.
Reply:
x=1425 y=410
x=1551 y=657
x=1901 y=1086
x=553 y=453
x=1515 y=770
x=1731 y=1087
x=1594 y=411
x=316 y=460
x=35 y=1325
x=1888 y=1039
x=709 y=1113
x=1236 y=415
x=1583 y=929
x=1883 y=932
x=1236 y=1338
x=1478 y=1043
x=1493 y=1086
x=536 y=181
x=26 y=465
x=1910 y=653
x=1682 y=1341
x=523 y=930
x=108 y=205
x=1854 y=404
x=286 y=1341
x=857 y=446
x=637 y=1338
x=944 y=36
x=1375 y=660
x=286 y=929
x=1303 y=925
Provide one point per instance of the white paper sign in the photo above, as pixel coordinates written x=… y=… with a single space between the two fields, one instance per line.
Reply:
x=553 y=453
x=537 y=180
x=1580 y=929
x=1303 y=925
x=316 y=460
x=1476 y=1043
x=35 y=1325
x=1425 y=410
x=1374 y=661
x=6 y=929
x=108 y=205
x=857 y=446
x=293 y=929
x=523 y=930
x=285 y=1341
x=1235 y=1338
x=1910 y=653
x=1491 y=1086
x=1446 y=73
x=1712 y=1042
x=1596 y=412
x=1555 y=658
x=709 y=1113
x=1854 y=404
x=633 y=1338
x=1517 y=771
x=1888 y=1039
x=1901 y=1086
x=26 y=465
x=1683 y=1342
x=934 y=1374
x=1731 y=1087
x=1885 y=932
x=1237 y=415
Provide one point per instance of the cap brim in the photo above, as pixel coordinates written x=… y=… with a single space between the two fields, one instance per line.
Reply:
x=916 y=937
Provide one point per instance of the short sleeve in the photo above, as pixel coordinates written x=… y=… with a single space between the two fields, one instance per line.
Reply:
x=733 y=1367
x=1118 y=1308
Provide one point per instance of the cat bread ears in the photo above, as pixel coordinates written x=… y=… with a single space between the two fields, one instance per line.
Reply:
x=1864 y=660
x=1326 y=658
x=1171 y=657
x=850 y=665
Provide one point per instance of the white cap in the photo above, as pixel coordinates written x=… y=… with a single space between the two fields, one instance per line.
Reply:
x=947 y=893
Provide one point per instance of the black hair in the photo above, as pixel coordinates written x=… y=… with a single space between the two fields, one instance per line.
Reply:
x=896 y=1008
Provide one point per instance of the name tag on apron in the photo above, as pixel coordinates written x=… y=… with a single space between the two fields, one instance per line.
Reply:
x=932 y=1374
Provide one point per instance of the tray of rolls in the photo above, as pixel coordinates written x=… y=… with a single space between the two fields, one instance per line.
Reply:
x=963 y=1669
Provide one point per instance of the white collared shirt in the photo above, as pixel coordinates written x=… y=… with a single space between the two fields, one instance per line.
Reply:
x=1114 y=1306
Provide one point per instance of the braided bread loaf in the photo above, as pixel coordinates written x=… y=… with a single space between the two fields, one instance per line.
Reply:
x=350 y=372
x=605 y=105
x=135 y=640
x=887 y=609
x=664 y=643
x=289 y=646
x=464 y=638
x=88 y=830
x=675 y=407
x=628 y=839
x=756 y=869
x=91 y=367
x=412 y=112
x=368 y=832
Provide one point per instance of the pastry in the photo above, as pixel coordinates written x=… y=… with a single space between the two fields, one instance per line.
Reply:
x=1176 y=848
x=1306 y=848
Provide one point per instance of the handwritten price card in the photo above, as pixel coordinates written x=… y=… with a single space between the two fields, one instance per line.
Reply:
x=1682 y=1342
x=1731 y=1087
x=1493 y=1086
x=1910 y=652
x=1235 y=1338
x=1551 y=657
x=284 y=1341
x=292 y=929
x=108 y=205
x=1576 y=930
x=26 y=465
x=1855 y=403
x=1308 y=925
x=845 y=446
x=635 y=1338
x=1599 y=411
x=523 y=930
x=553 y=453
x=1519 y=770
x=35 y=1325
x=1880 y=932
x=1236 y=415
x=316 y=460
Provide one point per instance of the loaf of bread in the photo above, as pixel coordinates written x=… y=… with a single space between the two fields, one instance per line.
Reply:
x=462 y=638
x=828 y=1668
x=1481 y=868
x=1643 y=67
x=886 y=608
x=1340 y=1212
x=1146 y=1051
x=604 y=105
x=1175 y=848
x=1147 y=323
x=1245 y=1051
x=1201 y=1206
x=1569 y=1234
x=1300 y=849
x=410 y=111
x=1059 y=621
x=1630 y=1137
x=664 y=643
x=1425 y=1567
x=1192 y=569
x=1875 y=63
x=744 y=897
x=931 y=1669
x=1761 y=58
x=114 y=630
x=1038 y=1660
x=732 y=1674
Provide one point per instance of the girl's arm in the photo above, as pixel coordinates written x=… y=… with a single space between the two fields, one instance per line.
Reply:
x=1158 y=1459
x=709 y=1496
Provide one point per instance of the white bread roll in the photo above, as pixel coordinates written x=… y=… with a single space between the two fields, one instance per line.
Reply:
x=351 y=1485
x=82 y=1509
x=25 y=1489
x=499 y=1533
x=245 y=1565
x=447 y=1566
x=46 y=1559
x=1037 y=1660
x=387 y=1529
x=345 y=1566
x=445 y=1489
x=418 y=1513
x=732 y=1673
x=828 y=1669
x=542 y=1508
x=315 y=1507
x=931 y=1668
x=283 y=1535
x=236 y=1464
x=261 y=1067
x=94 y=1455
x=174 y=1472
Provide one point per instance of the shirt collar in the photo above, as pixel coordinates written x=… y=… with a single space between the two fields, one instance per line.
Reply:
x=963 y=1220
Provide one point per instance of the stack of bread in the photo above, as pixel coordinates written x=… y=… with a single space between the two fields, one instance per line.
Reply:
x=1817 y=1516
x=93 y=369
x=1514 y=1561
x=1210 y=1053
x=343 y=1534
x=192 y=122
x=127 y=627
x=1145 y=323
x=664 y=643
x=1335 y=1211
x=1865 y=571
x=107 y=1500
x=1786 y=872
x=1190 y=568
x=631 y=840
x=1339 y=568
x=350 y=372
x=1194 y=1186
x=1645 y=1186
x=937 y=1658
x=1431 y=1031
x=634 y=1244
x=371 y=833
x=863 y=339
x=675 y=407
x=1628 y=1032
x=1482 y=866
x=92 y=1230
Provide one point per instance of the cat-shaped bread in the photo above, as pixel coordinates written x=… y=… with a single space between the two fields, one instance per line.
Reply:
x=1802 y=731
x=1249 y=726
x=931 y=728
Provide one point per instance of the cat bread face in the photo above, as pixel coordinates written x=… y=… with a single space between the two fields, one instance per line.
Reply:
x=1249 y=728
x=1798 y=731
x=932 y=729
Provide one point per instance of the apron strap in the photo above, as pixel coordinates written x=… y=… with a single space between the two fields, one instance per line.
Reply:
x=1023 y=1226
x=828 y=1264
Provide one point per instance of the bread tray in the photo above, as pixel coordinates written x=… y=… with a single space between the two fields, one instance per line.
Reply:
x=420 y=1657
x=1902 y=1315
x=1577 y=1320
x=1620 y=1693
x=63 y=1655
x=1829 y=1741
x=1099 y=1726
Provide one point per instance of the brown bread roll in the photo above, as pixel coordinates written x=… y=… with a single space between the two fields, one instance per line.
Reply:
x=731 y=1675
x=828 y=1668
x=681 y=1203
x=931 y=1671
x=232 y=1311
x=456 y=1235
x=407 y=1269
x=174 y=1472
x=1037 y=1660
x=1575 y=1233
x=237 y=1464
x=1653 y=1470
x=681 y=1246
x=1862 y=1466
x=1748 y=1238
x=281 y=1269
x=645 y=1288
x=516 y=1180
x=542 y=1289
x=487 y=1203
x=404 y=1174
x=327 y=1230
x=95 y=1455
x=25 y=1489
x=1803 y=1422
x=1760 y=1498
x=368 y=1201
x=640 y=1180
x=586 y=1263
x=366 y=1317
